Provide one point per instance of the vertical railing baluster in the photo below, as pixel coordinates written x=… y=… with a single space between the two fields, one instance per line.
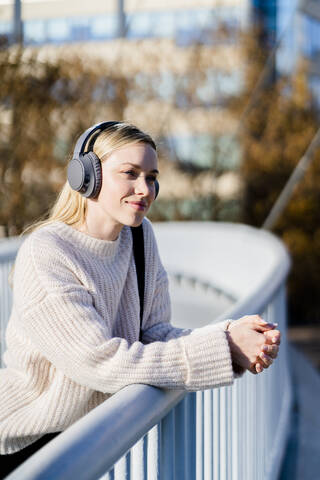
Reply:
x=240 y=421
x=252 y=420
x=260 y=413
x=109 y=475
x=229 y=433
x=243 y=414
x=234 y=470
x=216 y=433
x=167 y=447
x=180 y=441
x=122 y=468
x=208 y=433
x=153 y=453
x=137 y=460
x=254 y=429
x=247 y=450
x=223 y=434
x=190 y=429
x=199 y=436
x=212 y=412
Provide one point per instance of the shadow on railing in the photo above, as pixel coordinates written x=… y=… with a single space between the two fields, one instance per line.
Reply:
x=232 y=432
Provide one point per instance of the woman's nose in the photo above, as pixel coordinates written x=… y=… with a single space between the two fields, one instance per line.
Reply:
x=143 y=187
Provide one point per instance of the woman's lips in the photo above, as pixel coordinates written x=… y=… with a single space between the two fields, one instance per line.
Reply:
x=138 y=205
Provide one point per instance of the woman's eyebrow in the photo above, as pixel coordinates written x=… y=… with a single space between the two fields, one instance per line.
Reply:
x=139 y=167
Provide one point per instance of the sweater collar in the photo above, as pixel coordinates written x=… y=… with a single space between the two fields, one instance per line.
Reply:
x=104 y=248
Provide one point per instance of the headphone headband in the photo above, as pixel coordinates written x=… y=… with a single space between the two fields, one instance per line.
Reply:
x=83 y=139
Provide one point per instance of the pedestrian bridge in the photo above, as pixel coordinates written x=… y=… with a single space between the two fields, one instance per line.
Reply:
x=216 y=271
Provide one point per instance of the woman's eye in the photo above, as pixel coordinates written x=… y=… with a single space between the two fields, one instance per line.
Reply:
x=151 y=179
x=131 y=173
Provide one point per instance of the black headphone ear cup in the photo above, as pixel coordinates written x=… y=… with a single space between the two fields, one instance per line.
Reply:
x=97 y=175
x=76 y=174
x=157 y=187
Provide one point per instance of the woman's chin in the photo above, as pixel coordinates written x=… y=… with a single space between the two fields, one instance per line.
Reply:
x=136 y=221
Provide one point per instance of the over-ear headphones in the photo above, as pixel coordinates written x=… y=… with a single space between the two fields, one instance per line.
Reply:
x=84 y=170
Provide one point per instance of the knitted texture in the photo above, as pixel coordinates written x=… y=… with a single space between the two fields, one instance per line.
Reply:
x=73 y=335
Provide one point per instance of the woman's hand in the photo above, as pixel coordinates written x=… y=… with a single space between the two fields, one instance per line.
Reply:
x=254 y=343
x=269 y=350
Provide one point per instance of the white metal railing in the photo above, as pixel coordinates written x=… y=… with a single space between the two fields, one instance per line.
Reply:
x=8 y=251
x=142 y=432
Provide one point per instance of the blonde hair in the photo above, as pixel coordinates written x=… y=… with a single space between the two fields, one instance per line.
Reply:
x=70 y=206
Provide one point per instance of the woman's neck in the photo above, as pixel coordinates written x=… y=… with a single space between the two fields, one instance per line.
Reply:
x=101 y=231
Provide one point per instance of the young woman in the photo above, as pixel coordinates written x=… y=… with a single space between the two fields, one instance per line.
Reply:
x=74 y=336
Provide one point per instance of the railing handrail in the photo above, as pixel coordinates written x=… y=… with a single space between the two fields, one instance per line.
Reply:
x=64 y=459
x=206 y=235
x=104 y=430
x=260 y=296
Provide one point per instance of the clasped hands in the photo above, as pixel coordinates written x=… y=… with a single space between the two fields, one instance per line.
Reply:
x=254 y=343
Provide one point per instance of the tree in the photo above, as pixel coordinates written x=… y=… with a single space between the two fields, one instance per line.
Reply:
x=45 y=104
x=275 y=134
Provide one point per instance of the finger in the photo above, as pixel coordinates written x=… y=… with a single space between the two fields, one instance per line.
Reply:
x=259 y=368
x=273 y=336
x=271 y=350
x=263 y=326
x=266 y=359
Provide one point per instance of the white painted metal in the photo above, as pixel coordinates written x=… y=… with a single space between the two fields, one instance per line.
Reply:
x=232 y=433
x=8 y=251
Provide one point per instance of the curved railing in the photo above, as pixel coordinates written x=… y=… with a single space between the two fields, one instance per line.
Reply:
x=227 y=433
x=8 y=252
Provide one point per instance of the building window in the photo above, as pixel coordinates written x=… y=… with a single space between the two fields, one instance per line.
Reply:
x=164 y=24
x=206 y=151
x=5 y=28
x=58 y=30
x=34 y=32
x=139 y=25
x=104 y=27
x=311 y=37
x=219 y=85
x=80 y=29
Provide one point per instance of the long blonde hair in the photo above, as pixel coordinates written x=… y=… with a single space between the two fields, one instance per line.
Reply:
x=70 y=206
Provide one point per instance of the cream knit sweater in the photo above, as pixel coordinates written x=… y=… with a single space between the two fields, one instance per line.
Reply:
x=73 y=335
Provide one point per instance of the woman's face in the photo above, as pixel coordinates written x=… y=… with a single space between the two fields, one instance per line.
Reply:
x=128 y=185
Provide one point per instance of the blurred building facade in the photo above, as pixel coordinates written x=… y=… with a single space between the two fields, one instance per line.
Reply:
x=310 y=43
x=56 y=21
x=171 y=29
x=292 y=28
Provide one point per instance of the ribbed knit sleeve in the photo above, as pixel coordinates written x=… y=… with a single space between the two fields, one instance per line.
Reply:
x=67 y=330
x=59 y=317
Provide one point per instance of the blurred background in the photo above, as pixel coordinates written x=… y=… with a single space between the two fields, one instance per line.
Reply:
x=229 y=89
